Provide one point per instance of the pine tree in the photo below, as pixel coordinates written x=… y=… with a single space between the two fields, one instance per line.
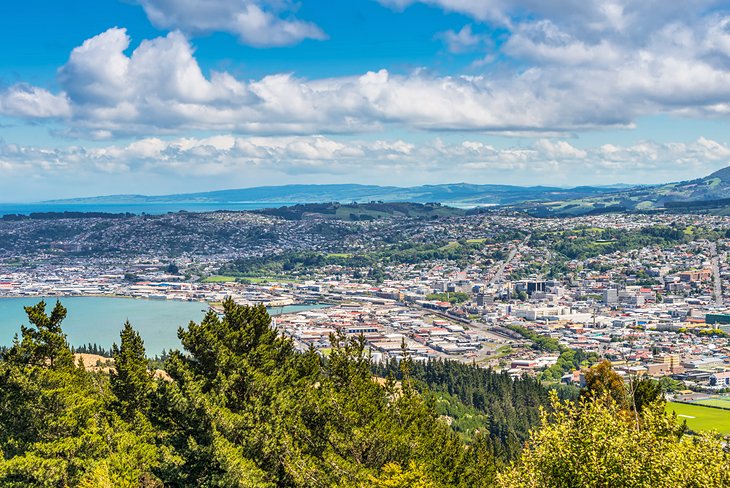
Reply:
x=56 y=424
x=130 y=380
x=43 y=344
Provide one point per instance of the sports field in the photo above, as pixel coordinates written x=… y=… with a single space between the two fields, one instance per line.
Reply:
x=700 y=418
x=715 y=402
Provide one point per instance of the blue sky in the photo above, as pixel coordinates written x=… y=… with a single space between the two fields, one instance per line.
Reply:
x=163 y=96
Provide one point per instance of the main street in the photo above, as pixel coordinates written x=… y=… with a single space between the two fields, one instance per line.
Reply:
x=498 y=275
x=717 y=281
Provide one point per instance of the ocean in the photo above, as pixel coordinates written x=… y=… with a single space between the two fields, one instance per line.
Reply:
x=134 y=208
x=99 y=319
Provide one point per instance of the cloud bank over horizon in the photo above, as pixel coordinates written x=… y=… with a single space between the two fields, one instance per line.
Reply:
x=287 y=157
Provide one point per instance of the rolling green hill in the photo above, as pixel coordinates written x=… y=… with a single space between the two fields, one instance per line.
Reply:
x=362 y=211
x=711 y=194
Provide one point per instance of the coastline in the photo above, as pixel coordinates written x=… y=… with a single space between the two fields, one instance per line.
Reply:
x=210 y=305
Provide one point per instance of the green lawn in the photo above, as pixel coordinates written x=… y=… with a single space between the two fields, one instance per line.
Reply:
x=250 y=279
x=219 y=279
x=701 y=418
x=716 y=402
x=450 y=245
x=256 y=280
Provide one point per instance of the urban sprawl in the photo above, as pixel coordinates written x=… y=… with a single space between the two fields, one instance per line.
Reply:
x=506 y=291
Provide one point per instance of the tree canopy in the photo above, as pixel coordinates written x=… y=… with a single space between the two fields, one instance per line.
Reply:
x=238 y=406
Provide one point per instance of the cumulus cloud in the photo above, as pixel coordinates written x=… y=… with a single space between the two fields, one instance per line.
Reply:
x=462 y=41
x=255 y=22
x=602 y=72
x=582 y=17
x=161 y=88
x=543 y=42
x=31 y=102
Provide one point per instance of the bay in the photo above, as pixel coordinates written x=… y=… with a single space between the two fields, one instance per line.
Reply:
x=100 y=319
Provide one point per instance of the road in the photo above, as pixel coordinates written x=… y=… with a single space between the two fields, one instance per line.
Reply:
x=717 y=285
x=500 y=271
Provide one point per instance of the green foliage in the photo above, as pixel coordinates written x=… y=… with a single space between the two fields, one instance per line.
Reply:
x=453 y=298
x=587 y=243
x=670 y=385
x=43 y=344
x=539 y=342
x=242 y=408
x=466 y=421
x=569 y=360
x=131 y=382
x=644 y=392
x=57 y=424
x=710 y=332
x=392 y=252
x=595 y=443
x=512 y=406
x=603 y=382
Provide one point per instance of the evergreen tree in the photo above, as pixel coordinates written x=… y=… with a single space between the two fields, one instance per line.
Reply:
x=57 y=427
x=43 y=344
x=131 y=382
x=644 y=392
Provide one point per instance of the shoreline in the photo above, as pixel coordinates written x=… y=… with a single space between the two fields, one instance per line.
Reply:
x=210 y=305
x=91 y=295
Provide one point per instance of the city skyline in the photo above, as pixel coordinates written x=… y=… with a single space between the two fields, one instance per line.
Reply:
x=156 y=96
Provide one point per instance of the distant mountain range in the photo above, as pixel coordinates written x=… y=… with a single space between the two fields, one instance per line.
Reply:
x=711 y=194
x=460 y=193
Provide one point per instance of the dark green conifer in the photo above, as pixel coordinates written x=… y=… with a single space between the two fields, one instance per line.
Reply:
x=44 y=343
x=131 y=382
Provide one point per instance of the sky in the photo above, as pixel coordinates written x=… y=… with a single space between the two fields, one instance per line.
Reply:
x=102 y=97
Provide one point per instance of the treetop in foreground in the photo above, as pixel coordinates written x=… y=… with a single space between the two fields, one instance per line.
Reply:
x=240 y=407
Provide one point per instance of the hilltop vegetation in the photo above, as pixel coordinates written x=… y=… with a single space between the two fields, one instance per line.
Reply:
x=708 y=194
x=362 y=211
x=239 y=407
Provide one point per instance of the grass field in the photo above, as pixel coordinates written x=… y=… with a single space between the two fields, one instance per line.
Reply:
x=701 y=418
x=248 y=279
x=219 y=279
x=450 y=245
x=715 y=402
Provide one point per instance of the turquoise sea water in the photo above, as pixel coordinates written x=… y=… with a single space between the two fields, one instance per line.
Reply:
x=99 y=320
x=134 y=208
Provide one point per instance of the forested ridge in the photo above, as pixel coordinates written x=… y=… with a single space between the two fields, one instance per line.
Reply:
x=511 y=406
x=238 y=406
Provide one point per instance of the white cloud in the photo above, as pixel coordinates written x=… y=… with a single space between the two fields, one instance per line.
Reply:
x=581 y=17
x=546 y=161
x=567 y=80
x=462 y=41
x=32 y=102
x=254 y=22
x=559 y=150
x=544 y=42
